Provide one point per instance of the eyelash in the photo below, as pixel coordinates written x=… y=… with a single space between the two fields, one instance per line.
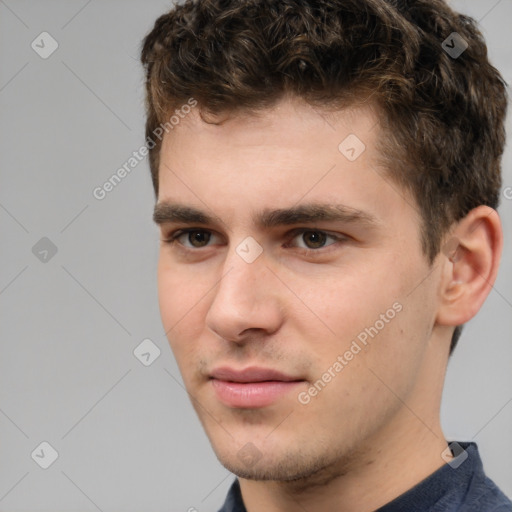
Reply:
x=173 y=238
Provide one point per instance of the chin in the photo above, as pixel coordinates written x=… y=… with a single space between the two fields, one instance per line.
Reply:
x=251 y=464
x=265 y=472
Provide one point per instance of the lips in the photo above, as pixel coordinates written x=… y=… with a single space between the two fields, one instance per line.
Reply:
x=252 y=387
x=253 y=374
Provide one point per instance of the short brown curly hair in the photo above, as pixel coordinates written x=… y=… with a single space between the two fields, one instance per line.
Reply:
x=443 y=114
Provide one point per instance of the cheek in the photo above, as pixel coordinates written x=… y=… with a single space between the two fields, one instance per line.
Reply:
x=168 y=296
x=371 y=305
x=346 y=301
x=183 y=305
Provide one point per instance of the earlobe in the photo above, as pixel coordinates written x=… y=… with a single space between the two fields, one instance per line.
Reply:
x=470 y=258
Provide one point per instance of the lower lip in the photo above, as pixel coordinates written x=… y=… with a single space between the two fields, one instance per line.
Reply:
x=251 y=394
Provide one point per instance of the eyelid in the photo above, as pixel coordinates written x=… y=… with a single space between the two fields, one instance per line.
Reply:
x=337 y=237
x=173 y=237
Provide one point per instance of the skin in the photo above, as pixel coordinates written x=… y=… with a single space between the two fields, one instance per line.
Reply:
x=374 y=430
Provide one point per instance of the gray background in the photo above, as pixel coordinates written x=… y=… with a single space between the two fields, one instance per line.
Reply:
x=126 y=435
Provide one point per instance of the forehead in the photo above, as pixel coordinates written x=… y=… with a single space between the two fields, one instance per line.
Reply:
x=287 y=124
x=277 y=158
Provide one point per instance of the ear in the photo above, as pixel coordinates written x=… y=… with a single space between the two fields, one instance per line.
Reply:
x=470 y=257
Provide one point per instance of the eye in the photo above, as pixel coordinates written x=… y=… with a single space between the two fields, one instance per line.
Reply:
x=314 y=239
x=196 y=239
x=191 y=238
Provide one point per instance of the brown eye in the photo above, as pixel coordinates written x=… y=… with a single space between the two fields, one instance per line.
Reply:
x=314 y=239
x=198 y=238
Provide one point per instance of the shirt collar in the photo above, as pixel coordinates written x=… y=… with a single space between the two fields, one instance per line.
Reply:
x=454 y=476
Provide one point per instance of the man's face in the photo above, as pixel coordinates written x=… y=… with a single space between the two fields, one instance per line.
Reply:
x=297 y=305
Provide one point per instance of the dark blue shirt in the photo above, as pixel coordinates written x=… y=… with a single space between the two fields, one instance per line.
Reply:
x=452 y=488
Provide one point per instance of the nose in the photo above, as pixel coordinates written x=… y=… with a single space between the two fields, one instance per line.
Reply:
x=246 y=301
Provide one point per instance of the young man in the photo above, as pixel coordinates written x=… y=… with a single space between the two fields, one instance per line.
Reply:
x=326 y=175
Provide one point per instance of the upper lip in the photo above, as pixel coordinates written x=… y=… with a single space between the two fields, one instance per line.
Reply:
x=251 y=374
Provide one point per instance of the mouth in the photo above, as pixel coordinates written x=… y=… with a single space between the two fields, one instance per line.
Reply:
x=252 y=387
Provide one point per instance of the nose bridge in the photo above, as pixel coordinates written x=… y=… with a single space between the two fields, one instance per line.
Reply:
x=243 y=275
x=244 y=297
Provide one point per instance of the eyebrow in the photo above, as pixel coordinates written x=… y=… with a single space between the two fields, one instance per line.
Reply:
x=166 y=211
x=169 y=212
x=315 y=212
